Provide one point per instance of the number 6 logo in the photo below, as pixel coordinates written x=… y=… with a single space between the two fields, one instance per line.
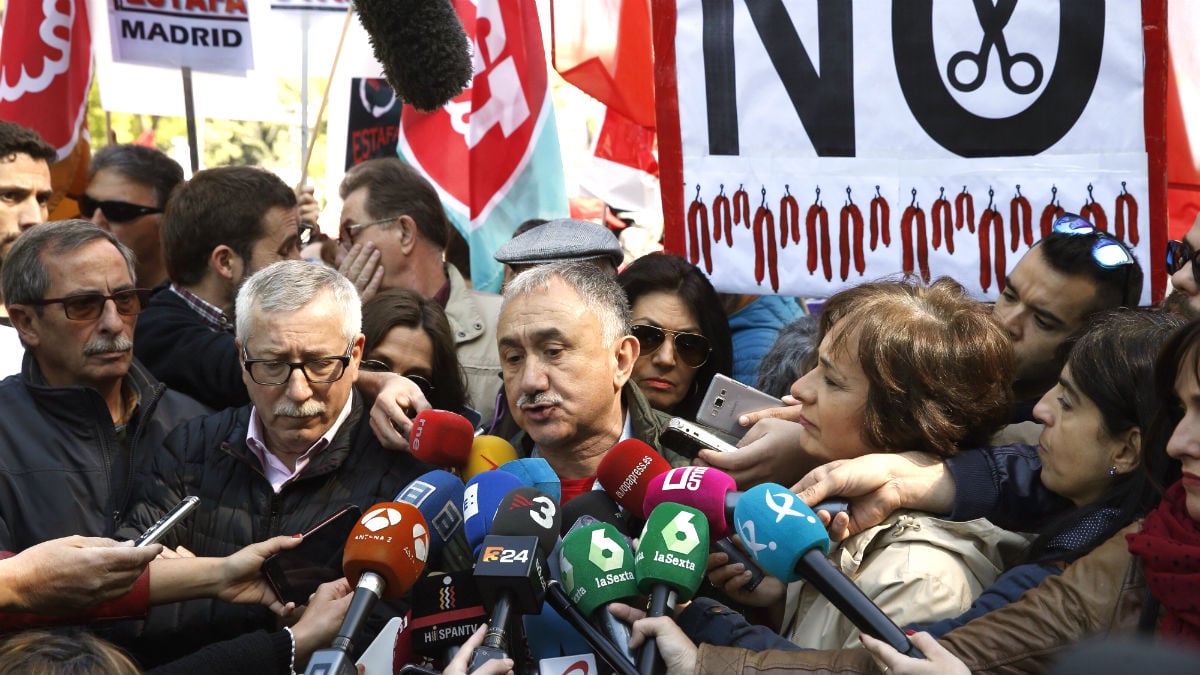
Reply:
x=604 y=552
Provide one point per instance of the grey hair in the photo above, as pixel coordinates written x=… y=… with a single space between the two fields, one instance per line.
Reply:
x=598 y=290
x=790 y=357
x=25 y=277
x=147 y=166
x=289 y=285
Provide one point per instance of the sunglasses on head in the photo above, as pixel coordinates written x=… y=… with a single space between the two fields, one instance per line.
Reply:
x=1180 y=254
x=691 y=348
x=1108 y=252
x=115 y=211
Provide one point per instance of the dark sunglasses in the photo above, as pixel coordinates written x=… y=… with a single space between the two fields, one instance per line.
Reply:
x=1108 y=252
x=1179 y=254
x=117 y=212
x=89 y=306
x=692 y=349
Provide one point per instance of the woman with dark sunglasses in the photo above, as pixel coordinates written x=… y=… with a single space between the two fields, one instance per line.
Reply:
x=682 y=331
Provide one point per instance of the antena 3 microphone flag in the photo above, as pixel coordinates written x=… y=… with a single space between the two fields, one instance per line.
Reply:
x=422 y=46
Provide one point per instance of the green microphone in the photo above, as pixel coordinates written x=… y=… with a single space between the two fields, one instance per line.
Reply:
x=669 y=564
x=597 y=569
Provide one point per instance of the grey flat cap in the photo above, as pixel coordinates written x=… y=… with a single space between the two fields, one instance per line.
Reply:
x=561 y=240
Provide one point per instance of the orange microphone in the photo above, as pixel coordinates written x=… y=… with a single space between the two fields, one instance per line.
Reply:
x=385 y=555
x=441 y=437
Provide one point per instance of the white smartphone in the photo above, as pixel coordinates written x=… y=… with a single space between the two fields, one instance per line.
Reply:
x=171 y=519
x=726 y=400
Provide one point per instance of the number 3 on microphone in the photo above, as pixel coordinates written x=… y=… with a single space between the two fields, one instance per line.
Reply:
x=543 y=516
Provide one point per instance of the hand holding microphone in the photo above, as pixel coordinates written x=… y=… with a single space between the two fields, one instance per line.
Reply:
x=669 y=564
x=597 y=570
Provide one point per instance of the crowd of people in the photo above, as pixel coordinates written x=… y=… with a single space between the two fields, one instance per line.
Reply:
x=1021 y=476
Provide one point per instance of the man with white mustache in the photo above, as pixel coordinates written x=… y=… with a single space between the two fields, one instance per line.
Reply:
x=298 y=453
x=83 y=417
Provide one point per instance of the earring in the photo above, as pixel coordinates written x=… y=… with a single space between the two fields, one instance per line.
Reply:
x=1112 y=472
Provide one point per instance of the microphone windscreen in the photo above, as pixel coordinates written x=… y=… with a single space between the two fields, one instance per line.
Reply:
x=487 y=454
x=777 y=528
x=481 y=497
x=422 y=46
x=536 y=472
x=673 y=550
x=597 y=567
x=600 y=507
x=625 y=472
x=441 y=437
x=391 y=540
x=438 y=495
x=699 y=487
x=528 y=512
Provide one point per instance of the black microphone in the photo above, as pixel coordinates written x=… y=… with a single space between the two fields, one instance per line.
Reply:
x=600 y=508
x=446 y=610
x=425 y=53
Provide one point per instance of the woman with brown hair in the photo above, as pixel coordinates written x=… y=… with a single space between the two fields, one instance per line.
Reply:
x=900 y=366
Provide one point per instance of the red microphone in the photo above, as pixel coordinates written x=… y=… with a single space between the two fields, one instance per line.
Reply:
x=385 y=555
x=441 y=437
x=625 y=473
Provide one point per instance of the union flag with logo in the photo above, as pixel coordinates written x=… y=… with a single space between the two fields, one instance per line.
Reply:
x=493 y=151
x=45 y=74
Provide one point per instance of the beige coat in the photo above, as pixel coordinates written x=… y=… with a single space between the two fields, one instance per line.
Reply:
x=917 y=568
x=473 y=316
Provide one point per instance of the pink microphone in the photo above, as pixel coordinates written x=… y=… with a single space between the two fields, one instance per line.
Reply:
x=700 y=487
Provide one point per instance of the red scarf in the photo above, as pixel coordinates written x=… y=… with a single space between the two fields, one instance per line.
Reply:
x=1169 y=546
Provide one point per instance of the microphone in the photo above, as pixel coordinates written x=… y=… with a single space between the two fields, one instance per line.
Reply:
x=487 y=454
x=669 y=564
x=481 y=498
x=789 y=541
x=438 y=495
x=511 y=572
x=597 y=569
x=447 y=608
x=441 y=437
x=536 y=472
x=385 y=553
x=711 y=491
x=595 y=506
x=422 y=46
x=625 y=472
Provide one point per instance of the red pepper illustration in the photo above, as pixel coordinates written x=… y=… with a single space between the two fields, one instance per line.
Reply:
x=985 y=250
x=789 y=217
x=941 y=214
x=764 y=223
x=1093 y=212
x=991 y=227
x=964 y=203
x=880 y=215
x=1022 y=220
x=741 y=207
x=1127 y=211
x=851 y=212
x=815 y=212
x=722 y=217
x=1052 y=212
x=698 y=232
x=912 y=216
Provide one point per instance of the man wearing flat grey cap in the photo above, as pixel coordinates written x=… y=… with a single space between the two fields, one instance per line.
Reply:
x=560 y=240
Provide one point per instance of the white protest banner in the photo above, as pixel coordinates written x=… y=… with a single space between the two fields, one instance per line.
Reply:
x=205 y=35
x=807 y=146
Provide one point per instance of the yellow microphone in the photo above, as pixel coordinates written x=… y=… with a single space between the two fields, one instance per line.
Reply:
x=487 y=453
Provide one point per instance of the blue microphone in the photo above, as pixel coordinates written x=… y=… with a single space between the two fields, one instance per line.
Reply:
x=438 y=495
x=481 y=497
x=536 y=472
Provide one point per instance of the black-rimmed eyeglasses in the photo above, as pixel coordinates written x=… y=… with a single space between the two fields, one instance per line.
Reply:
x=272 y=372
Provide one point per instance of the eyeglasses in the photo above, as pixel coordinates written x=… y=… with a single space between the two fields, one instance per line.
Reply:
x=324 y=370
x=1179 y=254
x=346 y=233
x=375 y=366
x=89 y=306
x=305 y=234
x=115 y=211
x=1108 y=252
x=692 y=349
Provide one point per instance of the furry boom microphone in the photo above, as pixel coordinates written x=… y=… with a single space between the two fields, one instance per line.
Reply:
x=421 y=43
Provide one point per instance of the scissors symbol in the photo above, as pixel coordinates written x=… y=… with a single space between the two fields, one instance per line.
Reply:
x=993 y=20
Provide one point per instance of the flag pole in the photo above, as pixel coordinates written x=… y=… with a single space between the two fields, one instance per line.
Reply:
x=189 y=111
x=337 y=55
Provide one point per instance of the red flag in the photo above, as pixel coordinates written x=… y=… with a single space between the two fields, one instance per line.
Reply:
x=45 y=74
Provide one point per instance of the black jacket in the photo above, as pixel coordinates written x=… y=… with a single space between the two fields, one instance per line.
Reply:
x=208 y=458
x=62 y=471
x=180 y=349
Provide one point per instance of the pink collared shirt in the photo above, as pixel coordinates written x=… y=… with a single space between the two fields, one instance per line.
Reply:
x=276 y=471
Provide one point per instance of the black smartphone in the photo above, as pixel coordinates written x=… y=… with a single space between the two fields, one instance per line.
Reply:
x=294 y=574
x=169 y=520
x=688 y=438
